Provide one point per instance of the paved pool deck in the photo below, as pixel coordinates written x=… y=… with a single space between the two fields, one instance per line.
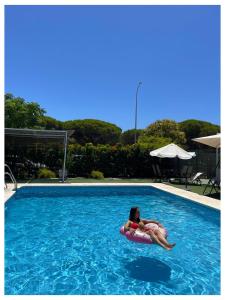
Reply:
x=189 y=196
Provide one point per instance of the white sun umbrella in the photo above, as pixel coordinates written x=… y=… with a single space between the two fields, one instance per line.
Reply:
x=172 y=151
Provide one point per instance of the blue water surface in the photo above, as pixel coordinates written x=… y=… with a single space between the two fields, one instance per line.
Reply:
x=66 y=240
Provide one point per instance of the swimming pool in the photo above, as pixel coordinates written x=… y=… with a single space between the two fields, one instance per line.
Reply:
x=66 y=240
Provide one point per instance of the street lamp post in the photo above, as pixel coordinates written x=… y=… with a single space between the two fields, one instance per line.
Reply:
x=135 y=132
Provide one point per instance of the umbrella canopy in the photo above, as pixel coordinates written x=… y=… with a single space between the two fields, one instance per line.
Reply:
x=211 y=140
x=172 y=151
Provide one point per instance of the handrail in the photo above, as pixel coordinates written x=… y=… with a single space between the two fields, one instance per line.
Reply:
x=10 y=174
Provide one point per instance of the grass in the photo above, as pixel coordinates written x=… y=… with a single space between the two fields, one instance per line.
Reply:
x=192 y=188
x=91 y=180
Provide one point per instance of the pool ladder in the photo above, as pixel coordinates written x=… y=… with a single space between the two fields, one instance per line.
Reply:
x=10 y=174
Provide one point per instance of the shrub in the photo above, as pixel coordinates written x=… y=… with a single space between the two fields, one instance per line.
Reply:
x=46 y=173
x=97 y=175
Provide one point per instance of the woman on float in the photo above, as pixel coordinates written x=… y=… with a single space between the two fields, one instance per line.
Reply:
x=135 y=223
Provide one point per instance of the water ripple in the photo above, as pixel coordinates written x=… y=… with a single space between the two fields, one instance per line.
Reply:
x=66 y=241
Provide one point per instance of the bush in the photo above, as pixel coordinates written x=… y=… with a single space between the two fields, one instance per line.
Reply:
x=46 y=173
x=97 y=175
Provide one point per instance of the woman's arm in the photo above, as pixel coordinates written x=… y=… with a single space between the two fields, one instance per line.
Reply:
x=127 y=226
x=150 y=221
x=145 y=221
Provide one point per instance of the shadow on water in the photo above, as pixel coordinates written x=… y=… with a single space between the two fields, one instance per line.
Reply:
x=148 y=269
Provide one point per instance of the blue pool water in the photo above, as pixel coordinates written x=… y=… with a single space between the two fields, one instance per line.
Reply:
x=66 y=240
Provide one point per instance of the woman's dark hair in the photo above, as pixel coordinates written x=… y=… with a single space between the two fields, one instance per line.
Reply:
x=132 y=216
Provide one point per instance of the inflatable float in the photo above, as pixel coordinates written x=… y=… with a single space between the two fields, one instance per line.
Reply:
x=142 y=237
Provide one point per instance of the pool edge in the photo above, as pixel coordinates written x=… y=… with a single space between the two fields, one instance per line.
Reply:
x=187 y=195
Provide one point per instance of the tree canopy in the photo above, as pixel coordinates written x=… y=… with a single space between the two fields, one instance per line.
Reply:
x=153 y=142
x=95 y=144
x=93 y=131
x=50 y=123
x=164 y=129
x=127 y=137
x=22 y=114
x=196 y=128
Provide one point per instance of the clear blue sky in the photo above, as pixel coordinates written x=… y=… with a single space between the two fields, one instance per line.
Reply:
x=85 y=61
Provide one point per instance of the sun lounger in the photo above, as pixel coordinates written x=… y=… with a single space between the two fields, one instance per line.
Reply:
x=214 y=183
x=196 y=179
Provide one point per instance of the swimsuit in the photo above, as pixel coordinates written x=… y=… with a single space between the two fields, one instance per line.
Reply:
x=134 y=225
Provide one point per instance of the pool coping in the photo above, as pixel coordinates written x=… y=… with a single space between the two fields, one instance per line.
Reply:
x=187 y=195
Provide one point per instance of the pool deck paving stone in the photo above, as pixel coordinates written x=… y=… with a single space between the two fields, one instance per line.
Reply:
x=204 y=200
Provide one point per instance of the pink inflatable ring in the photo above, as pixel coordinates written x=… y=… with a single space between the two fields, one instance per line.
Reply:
x=142 y=237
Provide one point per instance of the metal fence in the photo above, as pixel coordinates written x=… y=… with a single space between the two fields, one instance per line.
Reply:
x=205 y=162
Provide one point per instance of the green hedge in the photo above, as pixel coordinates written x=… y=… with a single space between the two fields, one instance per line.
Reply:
x=112 y=161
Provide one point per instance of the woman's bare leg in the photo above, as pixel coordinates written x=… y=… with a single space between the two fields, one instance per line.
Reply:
x=162 y=238
x=155 y=238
